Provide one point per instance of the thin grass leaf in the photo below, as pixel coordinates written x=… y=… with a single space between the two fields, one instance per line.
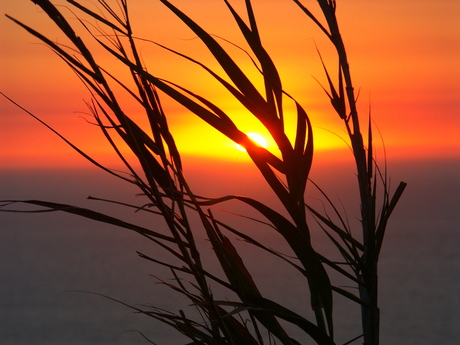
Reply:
x=239 y=333
x=231 y=68
x=387 y=212
x=320 y=286
x=339 y=269
x=101 y=19
x=272 y=79
x=74 y=147
x=270 y=306
x=343 y=234
x=343 y=251
x=350 y=296
x=312 y=17
x=337 y=99
x=90 y=214
x=240 y=278
x=95 y=74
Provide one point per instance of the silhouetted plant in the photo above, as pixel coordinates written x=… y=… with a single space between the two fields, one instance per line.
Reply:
x=162 y=181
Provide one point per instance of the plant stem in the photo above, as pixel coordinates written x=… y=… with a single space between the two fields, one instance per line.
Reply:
x=368 y=288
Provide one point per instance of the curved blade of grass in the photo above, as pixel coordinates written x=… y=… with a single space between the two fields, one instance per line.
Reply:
x=90 y=214
x=66 y=28
x=380 y=233
x=272 y=79
x=231 y=68
x=99 y=18
x=238 y=332
x=278 y=310
x=350 y=296
x=312 y=17
x=337 y=99
x=343 y=234
x=79 y=151
x=240 y=278
x=320 y=286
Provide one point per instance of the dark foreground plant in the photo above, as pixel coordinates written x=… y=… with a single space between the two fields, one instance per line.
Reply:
x=162 y=181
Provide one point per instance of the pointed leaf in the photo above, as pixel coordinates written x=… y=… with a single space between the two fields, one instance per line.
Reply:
x=233 y=71
x=90 y=214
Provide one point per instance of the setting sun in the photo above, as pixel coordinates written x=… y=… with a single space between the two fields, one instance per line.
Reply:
x=257 y=138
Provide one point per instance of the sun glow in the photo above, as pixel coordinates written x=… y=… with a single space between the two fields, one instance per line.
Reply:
x=257 y=138
x=25 y=143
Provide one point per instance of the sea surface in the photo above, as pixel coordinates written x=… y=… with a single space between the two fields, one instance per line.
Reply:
x=51 y=264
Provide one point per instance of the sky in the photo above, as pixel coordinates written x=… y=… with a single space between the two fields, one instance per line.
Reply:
x=403 y=55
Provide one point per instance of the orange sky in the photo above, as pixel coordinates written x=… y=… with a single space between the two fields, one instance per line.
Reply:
x=404 y=58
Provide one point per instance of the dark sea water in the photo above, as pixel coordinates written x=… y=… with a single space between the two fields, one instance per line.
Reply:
x=47 y=260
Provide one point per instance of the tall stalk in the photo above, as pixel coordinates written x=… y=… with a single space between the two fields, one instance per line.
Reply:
x=162 y=180
x=372 y=229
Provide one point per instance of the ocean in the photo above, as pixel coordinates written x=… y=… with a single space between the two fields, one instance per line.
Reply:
x=52 y=263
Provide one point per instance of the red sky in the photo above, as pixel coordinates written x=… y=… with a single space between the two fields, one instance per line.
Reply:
x=404 y=58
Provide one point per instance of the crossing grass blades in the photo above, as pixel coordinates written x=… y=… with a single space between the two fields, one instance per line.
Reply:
x=162 y=181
